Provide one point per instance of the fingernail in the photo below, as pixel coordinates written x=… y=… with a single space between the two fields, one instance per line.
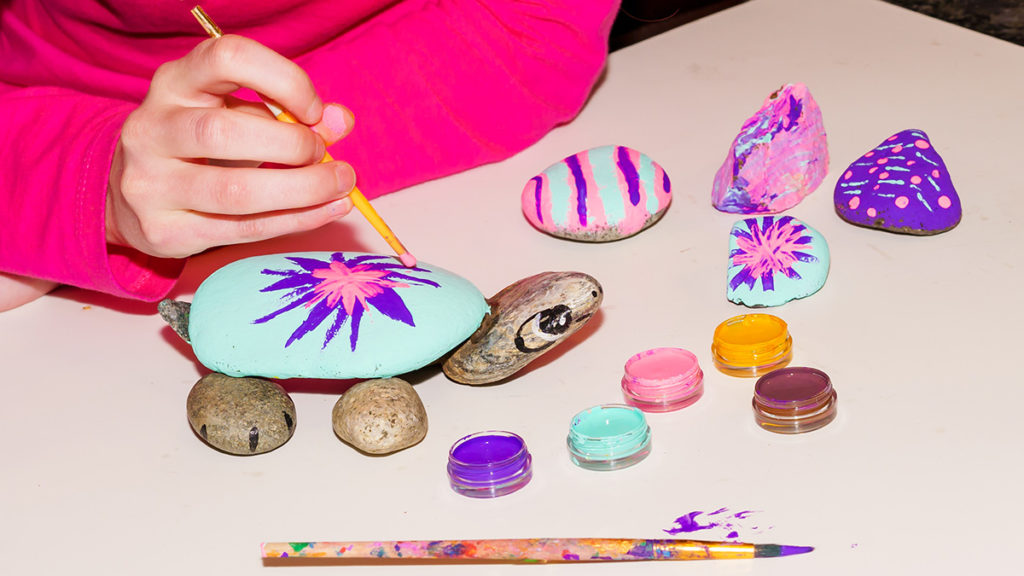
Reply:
x=335 y=123
x=315 y=108
x=340 y=207
x=346 y=177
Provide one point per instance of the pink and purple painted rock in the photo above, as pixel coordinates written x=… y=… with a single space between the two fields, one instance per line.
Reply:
x=779 y=157
x=902 y=185
x=775 y=259
x=598 y=195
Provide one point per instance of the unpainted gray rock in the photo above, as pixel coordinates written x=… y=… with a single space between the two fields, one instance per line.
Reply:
x=242 y=416
x=380 y=416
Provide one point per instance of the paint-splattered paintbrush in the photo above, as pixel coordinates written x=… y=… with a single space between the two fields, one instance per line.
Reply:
x=529 y=550
x=358 y=200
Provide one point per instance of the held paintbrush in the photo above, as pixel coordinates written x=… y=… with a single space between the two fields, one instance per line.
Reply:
x=358 y=199
x=531 y=550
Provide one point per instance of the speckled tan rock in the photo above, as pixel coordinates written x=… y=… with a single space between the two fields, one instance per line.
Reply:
x=380 y=416
x=241 y=416
x=526 y=320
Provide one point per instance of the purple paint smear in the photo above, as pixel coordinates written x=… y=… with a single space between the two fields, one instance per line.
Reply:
x=722 y=519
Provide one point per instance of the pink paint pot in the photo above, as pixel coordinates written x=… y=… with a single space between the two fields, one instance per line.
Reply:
x=794 y=400
x=662 y=380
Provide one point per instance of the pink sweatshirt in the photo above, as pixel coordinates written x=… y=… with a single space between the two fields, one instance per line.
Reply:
x=437 y=86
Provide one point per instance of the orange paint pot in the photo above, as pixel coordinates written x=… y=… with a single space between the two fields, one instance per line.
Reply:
x=752 y=344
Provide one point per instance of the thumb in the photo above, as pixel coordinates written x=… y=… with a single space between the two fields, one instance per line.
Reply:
x=335 y=123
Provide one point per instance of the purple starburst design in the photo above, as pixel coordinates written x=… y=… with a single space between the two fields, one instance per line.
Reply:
x=345 y=288
x=772 y=247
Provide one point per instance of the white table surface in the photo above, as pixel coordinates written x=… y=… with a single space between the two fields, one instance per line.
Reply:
x=920 y=473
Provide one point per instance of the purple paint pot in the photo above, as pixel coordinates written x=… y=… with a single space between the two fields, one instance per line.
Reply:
x=662 y=380
x=794 y=400
x=489 y=464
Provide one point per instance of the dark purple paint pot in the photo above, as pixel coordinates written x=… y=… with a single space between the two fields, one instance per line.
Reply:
x=793 y=400
x=489 y=464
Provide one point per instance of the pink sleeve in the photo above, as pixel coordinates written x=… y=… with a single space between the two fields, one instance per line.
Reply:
x=55 y=152
x=439 y=86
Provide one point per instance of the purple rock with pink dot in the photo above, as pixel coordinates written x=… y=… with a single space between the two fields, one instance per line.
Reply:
x=779 y=156
x=902 y=185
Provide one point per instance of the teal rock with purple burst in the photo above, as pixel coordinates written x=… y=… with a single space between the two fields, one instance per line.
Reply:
x=330 y=315
x=775 y=259
x=902 y=185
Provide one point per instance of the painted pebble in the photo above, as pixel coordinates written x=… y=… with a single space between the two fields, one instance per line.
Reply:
x=329 y=315
x=241 y=416
x=598 y=195
x=527 y=319
x=774 y=259
x=380 y=416
x=902 y=185
x=779 y=157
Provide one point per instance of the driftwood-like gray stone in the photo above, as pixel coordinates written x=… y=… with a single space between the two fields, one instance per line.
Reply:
x=241 y=416
x=380 y=416
x=526 y=320
x=176 y=313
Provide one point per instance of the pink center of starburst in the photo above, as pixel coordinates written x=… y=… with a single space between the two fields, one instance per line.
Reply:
x=771 y=251
x=339 y=282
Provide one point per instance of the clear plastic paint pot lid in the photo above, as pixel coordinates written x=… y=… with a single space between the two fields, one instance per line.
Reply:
x=489 y=464
x=751 y=341
x=609 y=437
x=794 y=399
x=662 y=379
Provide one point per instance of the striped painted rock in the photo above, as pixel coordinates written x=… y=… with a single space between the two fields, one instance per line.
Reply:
x=902 y=185
x=598 y=195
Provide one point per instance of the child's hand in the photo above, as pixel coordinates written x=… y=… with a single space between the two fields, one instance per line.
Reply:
x=185 y=177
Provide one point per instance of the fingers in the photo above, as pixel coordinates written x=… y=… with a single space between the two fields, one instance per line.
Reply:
x=241 y=191
x=230 y=134
x=182 y=179
x=219 y=66
x=216 y=230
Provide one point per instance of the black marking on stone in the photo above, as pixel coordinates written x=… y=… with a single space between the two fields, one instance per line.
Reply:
x=202 y=432
x=593 y=293
x=254 y=438
x=556 y=320
x=553 y=321
x=288 y=420
x=520 y=344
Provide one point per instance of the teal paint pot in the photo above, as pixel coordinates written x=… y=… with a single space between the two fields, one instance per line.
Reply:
x=609 y=437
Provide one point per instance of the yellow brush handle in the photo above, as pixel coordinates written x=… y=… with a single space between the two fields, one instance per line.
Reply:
x=358 y=200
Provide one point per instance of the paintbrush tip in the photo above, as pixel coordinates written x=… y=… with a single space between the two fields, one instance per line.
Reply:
x=408 y=260
x=776 y=550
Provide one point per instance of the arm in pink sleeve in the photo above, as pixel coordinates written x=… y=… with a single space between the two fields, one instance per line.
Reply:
x=55 y=152
x=439 y=86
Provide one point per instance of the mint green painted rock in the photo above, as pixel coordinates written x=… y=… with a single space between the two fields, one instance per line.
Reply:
x=775 y=259
x=330 y=315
